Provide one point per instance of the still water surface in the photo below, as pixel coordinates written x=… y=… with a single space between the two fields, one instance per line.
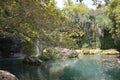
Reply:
x=86 y=68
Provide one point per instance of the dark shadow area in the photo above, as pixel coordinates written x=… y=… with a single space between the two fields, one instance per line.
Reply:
x=9 y=46
x=106 y=41
x=5 y=46
x=21 y=71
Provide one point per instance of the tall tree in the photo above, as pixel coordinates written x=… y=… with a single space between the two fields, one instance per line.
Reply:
x=30 y=19
x=114 y=15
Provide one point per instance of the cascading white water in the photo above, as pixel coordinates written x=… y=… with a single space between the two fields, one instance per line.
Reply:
x=98 y=33
x=37 y=48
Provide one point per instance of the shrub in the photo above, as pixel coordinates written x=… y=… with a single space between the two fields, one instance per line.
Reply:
x=49 y=54
x=85 y=51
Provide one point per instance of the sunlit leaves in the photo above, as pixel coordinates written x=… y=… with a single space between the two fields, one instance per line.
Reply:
x=74 y=11
x=78 y=8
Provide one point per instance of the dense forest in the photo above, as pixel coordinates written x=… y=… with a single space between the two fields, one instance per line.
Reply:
x=27 y=23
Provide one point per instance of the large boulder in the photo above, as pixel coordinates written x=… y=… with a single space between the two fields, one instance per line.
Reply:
x=4 y=75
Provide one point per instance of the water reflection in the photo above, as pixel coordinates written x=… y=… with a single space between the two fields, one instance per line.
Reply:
x=23 y=72
x=72 y=74
x=86 y=68
x=114 y=73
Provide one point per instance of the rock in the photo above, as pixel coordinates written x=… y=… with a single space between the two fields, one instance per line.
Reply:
x=32 y=60
x=64 y=52
x=4 y=75
x=118 y=60
x=110 y=52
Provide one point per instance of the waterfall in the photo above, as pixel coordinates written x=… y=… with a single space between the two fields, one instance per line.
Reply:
x=97 y=37
x=37 y=48
x=98 y=34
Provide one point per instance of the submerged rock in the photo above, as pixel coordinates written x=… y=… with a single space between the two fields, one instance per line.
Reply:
x=32 y=60
x=4 y=75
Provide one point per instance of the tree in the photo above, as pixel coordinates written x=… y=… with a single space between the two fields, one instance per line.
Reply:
x=29 y=20
x=113 y=13
x=75 y=20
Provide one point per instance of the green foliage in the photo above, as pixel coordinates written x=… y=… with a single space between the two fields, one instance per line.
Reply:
x=87 y=26
x=86 y=51
x=107 y=42
x=114 y=14
x=75 y=11
x=30 y=20
x=73 y=27
x=49 y=54
x=75 y=20
x=28 y=48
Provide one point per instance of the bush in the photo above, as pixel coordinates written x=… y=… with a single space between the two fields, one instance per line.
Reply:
x=85 y=51
x=49 y=54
